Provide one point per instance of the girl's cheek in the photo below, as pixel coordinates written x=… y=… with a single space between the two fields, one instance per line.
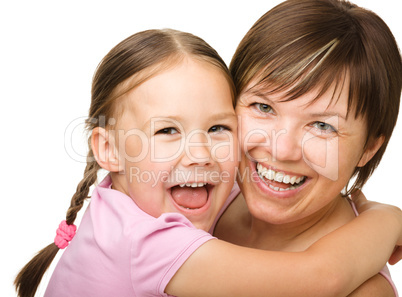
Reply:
x=165 y=151
x=225 y=148
x=133 y=146
x=322 y=155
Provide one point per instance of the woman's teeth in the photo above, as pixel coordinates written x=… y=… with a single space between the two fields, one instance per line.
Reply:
x=281 y=177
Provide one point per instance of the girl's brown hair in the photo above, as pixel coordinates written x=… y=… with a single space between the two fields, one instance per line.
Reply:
x=301 y=45
x=128 y=64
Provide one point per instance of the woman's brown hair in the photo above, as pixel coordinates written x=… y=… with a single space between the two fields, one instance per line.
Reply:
x=301 y=45
x=128 y=64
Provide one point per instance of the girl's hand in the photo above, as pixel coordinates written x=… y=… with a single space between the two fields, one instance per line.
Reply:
x=362 y=204
x=396 y=255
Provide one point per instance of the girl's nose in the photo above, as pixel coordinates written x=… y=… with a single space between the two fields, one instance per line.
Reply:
x=197 y=150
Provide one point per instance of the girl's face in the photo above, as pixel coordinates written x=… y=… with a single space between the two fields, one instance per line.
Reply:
x=178 y=143
x=297 y=156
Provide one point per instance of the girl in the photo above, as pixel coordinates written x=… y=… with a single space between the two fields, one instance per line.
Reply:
x=162 y=123
x=311 y=122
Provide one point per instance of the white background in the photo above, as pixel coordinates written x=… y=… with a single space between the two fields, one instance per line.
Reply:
x=48 y=54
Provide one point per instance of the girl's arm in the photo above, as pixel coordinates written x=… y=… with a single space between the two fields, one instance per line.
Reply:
x=362 y=204
x=377 y=285
x=374 y=287
x=333 y=266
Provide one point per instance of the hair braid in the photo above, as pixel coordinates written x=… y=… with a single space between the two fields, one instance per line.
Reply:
x=77 y=201
x=30 y=276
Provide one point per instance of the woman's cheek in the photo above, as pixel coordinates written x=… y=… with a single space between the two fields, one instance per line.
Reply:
x=322 y=155
x=252 y=136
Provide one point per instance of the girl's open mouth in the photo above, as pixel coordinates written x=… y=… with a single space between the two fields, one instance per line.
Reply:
x=191 y=197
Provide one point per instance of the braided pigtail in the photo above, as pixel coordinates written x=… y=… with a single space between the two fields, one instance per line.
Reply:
x=28 y=279
x=77 y=201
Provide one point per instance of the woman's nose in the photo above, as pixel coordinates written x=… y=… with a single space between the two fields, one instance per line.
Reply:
x=285 y=145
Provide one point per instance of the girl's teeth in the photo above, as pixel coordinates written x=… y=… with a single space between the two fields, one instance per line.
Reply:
x=192 y=185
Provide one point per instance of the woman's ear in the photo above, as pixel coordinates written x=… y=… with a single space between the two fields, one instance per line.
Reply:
x=371 y=150
x=104 y=149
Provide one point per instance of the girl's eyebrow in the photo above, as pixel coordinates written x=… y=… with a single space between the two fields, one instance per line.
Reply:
x=179 y=119
x=164 y=118
x=223 y=115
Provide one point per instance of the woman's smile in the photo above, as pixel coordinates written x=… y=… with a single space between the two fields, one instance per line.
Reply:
x=279 y=180
x=275 y=183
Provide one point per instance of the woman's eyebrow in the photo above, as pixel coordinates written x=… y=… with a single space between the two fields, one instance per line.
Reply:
x=327 y=114
x=262 y=95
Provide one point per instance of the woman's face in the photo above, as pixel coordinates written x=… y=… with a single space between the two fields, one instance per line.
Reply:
x=298 y=155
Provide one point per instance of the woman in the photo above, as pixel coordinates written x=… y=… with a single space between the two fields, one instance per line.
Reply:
x=319 y=85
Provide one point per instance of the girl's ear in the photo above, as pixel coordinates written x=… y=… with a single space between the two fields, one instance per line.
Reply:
x=374 y=146
x=104 y=150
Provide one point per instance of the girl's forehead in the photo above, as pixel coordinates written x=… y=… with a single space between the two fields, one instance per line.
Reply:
x=189 y=85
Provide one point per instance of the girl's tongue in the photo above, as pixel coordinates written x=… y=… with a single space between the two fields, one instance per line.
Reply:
x=189 y=197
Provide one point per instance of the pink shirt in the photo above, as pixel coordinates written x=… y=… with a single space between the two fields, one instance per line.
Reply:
x=385 y=271
x=119 y=250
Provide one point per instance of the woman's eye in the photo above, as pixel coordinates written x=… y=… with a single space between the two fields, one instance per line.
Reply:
x=167 y=131
x=218 y=128
x=265 y=108
x=324 y=127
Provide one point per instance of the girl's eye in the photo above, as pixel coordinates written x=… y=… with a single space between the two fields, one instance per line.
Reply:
x=218 y=128
x=169 y=130
x=265 y=108
x=324 y=127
